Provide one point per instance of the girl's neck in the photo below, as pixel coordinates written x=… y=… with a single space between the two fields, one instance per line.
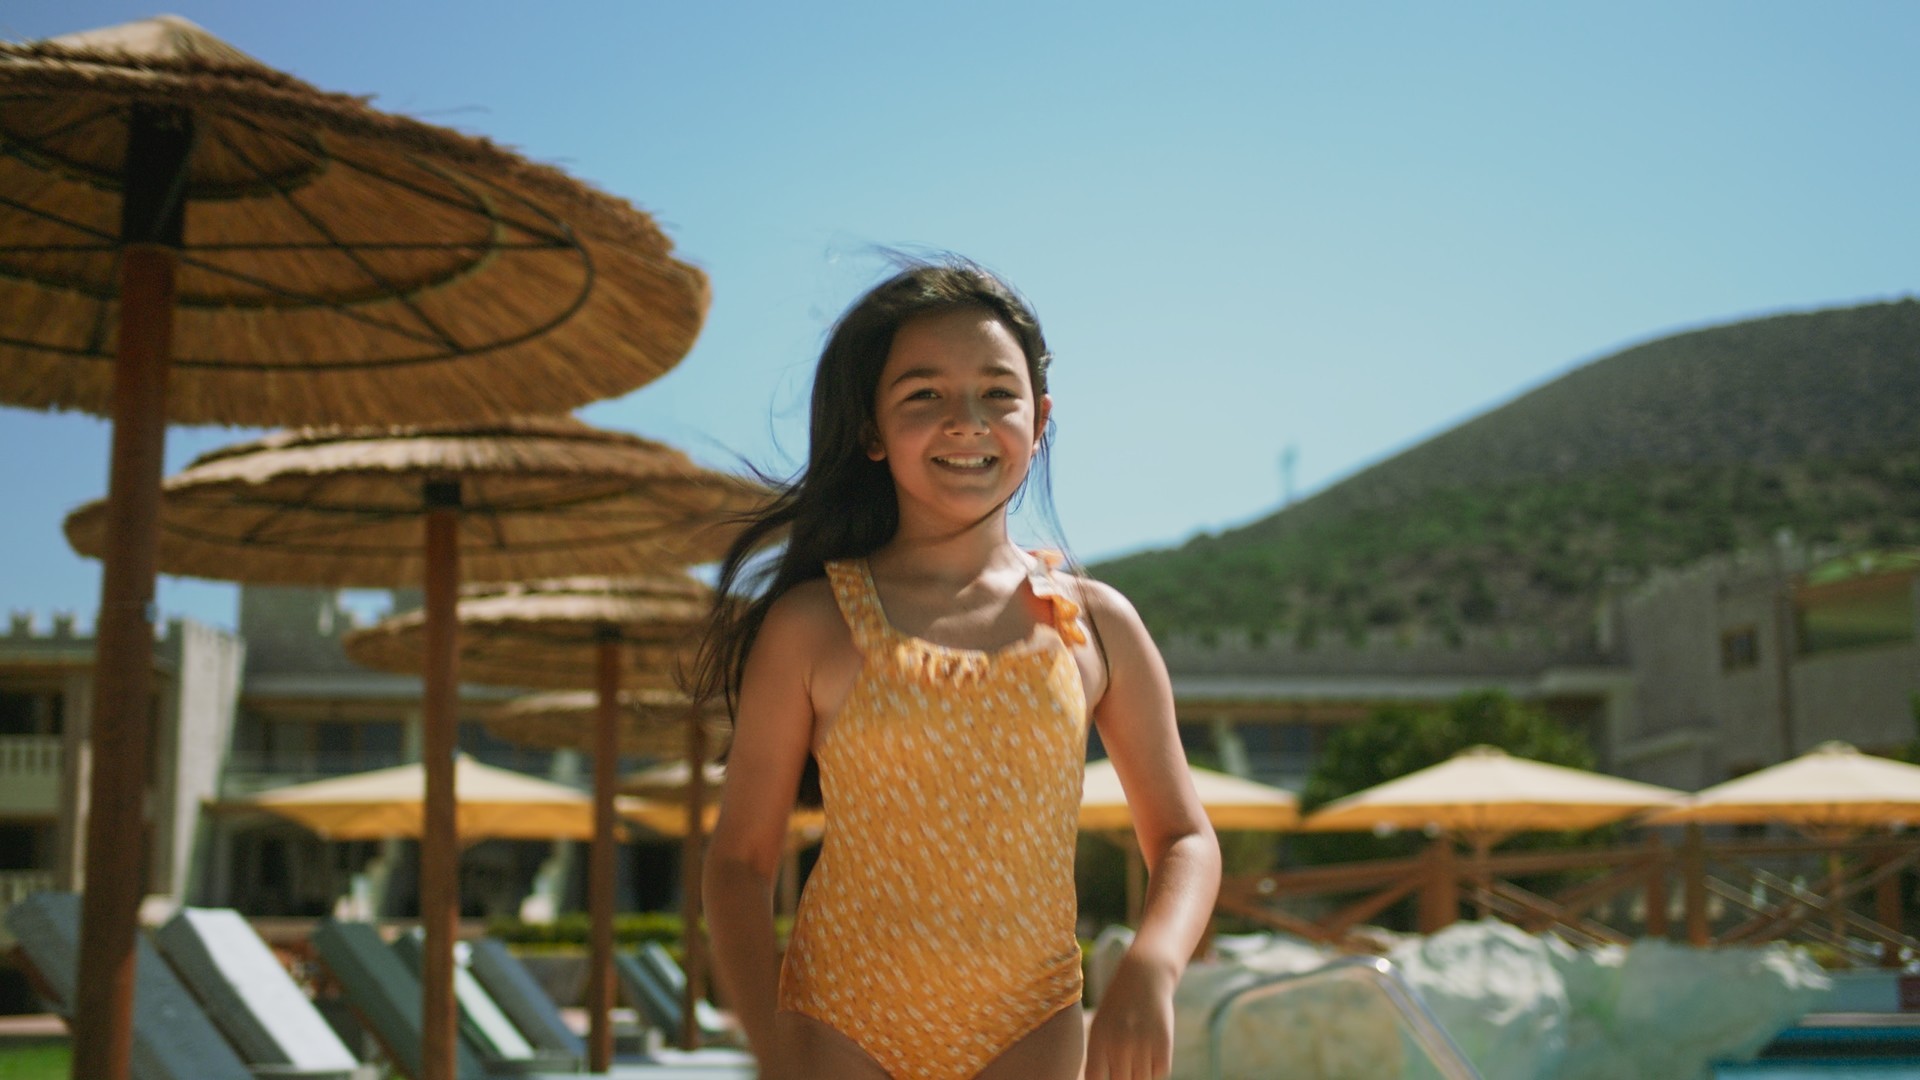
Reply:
x=959 y=556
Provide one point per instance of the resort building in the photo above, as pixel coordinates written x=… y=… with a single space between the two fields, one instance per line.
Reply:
x=1687 y=679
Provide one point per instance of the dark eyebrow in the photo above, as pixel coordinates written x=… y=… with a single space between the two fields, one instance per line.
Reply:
x=995 y=370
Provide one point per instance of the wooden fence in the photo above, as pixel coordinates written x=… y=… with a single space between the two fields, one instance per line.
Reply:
x=1719 y=893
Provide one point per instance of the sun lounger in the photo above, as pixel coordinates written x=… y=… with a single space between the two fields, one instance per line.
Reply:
x=172 y=1037
x=656 y=986
x=252 y=999
x=385 y=995
x=649 y=996
x=519 y=995
x=483 y=1025
x=713 y=1024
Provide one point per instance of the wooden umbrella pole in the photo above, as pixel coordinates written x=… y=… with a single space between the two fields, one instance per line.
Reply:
x=1693 y=860
x=1440 y=900
x=600 y=865
x=439 y=840
x=159 y=144
x=1482 y=875
x=693 y=945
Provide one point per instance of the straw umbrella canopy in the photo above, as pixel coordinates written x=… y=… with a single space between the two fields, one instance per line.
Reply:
x=1485 y=795
x=506 y=499
x=536 y=497
x=550 y=634
x=650 y=722
x=191 y=235
x=335 y=264
x=607 y=633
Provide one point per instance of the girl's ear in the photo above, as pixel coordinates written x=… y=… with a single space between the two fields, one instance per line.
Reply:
x=1043 y=409
x=876 y=450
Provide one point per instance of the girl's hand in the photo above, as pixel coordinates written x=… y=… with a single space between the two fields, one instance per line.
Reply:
x=1132 y=1033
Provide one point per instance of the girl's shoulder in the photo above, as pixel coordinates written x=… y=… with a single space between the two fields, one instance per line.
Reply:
x=1104 y=602
x=807 y=608
x=1124 y=636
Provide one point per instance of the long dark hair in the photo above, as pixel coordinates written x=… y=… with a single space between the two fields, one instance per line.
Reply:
x=842 y=505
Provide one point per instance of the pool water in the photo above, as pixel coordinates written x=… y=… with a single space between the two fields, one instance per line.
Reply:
x=1877 y=1050
x=1859 y=1069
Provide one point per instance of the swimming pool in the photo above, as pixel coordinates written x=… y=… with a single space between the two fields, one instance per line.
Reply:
x=1857 y=1069
x=1838 y=1047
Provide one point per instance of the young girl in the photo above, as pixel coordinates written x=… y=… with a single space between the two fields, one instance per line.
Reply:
x=941 y=678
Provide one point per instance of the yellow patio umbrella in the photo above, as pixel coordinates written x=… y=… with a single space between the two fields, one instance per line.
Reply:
x=666 y=785
x=1485 y=792
x=1229 y=802
x=1830 y=791
x=671 y=782
x=1485 y=795
x=493 y=804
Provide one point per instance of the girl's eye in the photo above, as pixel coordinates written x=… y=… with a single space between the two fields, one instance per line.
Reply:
x=1001 y=392
x=923 y=394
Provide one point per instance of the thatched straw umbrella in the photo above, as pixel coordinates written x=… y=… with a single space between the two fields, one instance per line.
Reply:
x=191 y=235
x=513 y=499
x=650 y=722
x=607 y=633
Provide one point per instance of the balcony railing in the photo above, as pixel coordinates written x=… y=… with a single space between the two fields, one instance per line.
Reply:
x=30 y=776
x=30 y=757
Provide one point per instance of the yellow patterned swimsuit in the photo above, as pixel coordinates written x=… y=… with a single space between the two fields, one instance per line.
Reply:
x=937 y=928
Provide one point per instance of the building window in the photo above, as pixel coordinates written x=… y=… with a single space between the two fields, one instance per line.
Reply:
x=1739 y=649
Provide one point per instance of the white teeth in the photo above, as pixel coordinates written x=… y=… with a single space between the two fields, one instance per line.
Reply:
x=964 y=462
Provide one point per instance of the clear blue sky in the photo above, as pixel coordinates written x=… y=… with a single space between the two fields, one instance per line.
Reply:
x=1340 y=227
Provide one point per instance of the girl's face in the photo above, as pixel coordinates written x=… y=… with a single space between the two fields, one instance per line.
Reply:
x=955 y=416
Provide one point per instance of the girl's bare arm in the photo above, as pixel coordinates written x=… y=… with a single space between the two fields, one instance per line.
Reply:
x=772 y=734
x=1132 y=1033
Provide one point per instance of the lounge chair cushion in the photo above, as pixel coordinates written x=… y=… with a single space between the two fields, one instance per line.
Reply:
x=249 y=995
x=384 y=993
x=480 y=1019
x=519 y=995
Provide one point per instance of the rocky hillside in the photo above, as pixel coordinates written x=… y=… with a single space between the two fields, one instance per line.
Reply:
x=1658 y=455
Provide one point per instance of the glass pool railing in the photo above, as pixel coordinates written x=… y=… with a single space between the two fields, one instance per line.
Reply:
x=1355 y=1019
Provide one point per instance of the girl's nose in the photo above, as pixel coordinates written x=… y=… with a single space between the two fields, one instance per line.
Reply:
x=967 y=415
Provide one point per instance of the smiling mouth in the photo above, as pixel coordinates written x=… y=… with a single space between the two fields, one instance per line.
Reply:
x=966 y=461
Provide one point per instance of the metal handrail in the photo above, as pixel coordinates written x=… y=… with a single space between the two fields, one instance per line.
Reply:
x=1414 y=1015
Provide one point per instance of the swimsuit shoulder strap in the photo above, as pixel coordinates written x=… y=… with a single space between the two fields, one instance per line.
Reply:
x=853 y=591
x=1066 y=610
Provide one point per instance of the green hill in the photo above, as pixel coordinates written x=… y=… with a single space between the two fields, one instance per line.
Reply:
x=1698 y=443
